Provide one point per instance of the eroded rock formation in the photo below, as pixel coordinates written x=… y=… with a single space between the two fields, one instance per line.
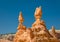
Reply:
x=37 y=33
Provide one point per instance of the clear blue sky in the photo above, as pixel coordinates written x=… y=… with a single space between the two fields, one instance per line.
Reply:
x=9 y=11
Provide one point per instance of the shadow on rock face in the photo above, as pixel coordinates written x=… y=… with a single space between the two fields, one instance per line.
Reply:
x=10 y=38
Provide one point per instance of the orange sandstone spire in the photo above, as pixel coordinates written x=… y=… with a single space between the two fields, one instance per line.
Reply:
x=20 y=29
x=21 y=18
x=38 y=13
x=53 y=30
x=39 y=24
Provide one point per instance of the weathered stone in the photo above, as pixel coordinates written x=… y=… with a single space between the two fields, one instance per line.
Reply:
x=37 y=33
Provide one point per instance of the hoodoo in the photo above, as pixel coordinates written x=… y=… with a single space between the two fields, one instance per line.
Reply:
x=37 y=33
